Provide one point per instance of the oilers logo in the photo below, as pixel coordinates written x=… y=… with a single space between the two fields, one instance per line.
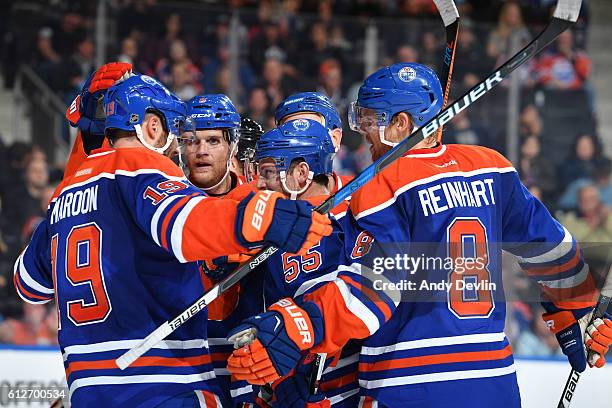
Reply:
x=406 y=74
x=300 y=124
x=149 y=80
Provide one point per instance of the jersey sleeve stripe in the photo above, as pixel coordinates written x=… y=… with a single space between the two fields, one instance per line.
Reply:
x=428 y=360
x=568 y=282
x=339 y=382
x=357 y=308
x=435 y=342
x=28 y=296
x=557 y=252
x=309 y=284
x=157 y=215
x=145 y=361
x=554 y=269
x=27 y=279
x=168 y=217
x=127 y=344
x=176 y=237
x=370 y=294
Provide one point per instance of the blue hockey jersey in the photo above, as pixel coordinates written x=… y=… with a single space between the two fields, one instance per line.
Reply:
x=441 y=347
x=117 y=252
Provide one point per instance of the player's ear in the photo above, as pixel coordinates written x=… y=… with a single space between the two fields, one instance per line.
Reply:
x=154 y=129
x=403 y=122
x=303 y=171
x=336 y=136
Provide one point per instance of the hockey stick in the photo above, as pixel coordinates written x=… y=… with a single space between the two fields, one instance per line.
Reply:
x=600 y=310
x=317 y=372
x=565 y=15
x=450 y=17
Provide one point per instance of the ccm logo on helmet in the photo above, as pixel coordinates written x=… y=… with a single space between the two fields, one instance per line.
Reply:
x=260 y=209
x=298 y=318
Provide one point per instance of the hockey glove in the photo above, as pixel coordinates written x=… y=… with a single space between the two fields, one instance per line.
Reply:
x=86 y=111
x=571 y=327
x=269 y=345
x=218 y=268
x=293 y=391
x=290 y=225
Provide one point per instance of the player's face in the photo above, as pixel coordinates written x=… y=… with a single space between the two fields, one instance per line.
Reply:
x=368 y=128
x=207 y=156
x=269 y=178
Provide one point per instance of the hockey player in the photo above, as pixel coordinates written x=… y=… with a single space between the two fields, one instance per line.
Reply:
x=451 y=349
x=210 y=153
x=118 y=249
x=296 y=160
x=315 y=106
x=86 y=113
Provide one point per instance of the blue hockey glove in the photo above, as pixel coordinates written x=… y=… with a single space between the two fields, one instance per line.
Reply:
x=271 y=344
x=571 y=327
x=293 y=391
x=290 y=225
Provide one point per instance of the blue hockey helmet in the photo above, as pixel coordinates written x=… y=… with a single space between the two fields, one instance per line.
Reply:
x=309 y=102
x=297 y=139
x=215 y=111
x=126 y=103
x=403 y=87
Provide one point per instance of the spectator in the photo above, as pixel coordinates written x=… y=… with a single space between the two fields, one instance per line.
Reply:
x=213 y=78
x=430 y=51
x=330 y=83
x=530 y=122
x=600 y=175
x=129 y=51
x=274 y=81
x=406 y=53
x=259 y=105
x=462 y=130
x=38 y=326
x=590 y=223
x=24 y=202
x=563 y=68
x=178 y=56
x=586 y=150
x=471 y=62
x=510 y=27
x=266 y=44
x=536 y=170
x=45 y=56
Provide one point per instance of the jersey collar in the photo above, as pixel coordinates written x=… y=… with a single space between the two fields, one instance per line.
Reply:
x=436 y=151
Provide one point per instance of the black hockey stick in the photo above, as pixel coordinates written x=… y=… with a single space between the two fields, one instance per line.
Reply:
x=450 y=16
x=600 y=310
x=565 y=15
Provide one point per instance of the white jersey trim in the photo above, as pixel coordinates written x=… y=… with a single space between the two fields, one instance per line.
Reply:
x=140 y=379
x=241 y=391
x=27 y=279
x=436 y=377
x=353 y=358
x=569 y=282
x=556 y=253
x=157 y=214
x=341 y=397
x=176 y=237
x=120 y=172
x=436 y=154
x=127 y=344
x=420 y=182
x=435 y=342
x=357 y=307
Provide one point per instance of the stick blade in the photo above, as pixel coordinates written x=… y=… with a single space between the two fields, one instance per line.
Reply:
x=448 y=11
x=568 y=10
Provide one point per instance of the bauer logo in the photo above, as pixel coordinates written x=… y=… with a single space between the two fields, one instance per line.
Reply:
x=301 y=124
x=406 y=74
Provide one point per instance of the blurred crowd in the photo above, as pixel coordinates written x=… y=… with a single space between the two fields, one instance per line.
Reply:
x=302 y=45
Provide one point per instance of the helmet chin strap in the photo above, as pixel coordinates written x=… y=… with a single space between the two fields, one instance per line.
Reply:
x=160 y=150
x=294 y=194
x=381 y=135
x=233 y=148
